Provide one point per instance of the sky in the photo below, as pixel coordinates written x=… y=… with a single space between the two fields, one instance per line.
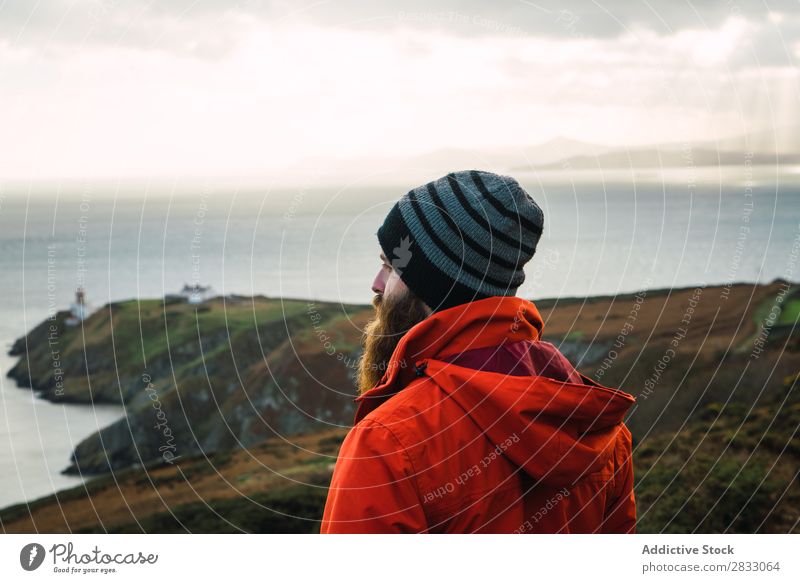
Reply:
x=122 y=88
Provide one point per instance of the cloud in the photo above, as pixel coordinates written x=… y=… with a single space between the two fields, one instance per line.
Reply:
x=156 y=24
x=542 y=18
x=200 y=28
x=205 y=86
x=212 y=29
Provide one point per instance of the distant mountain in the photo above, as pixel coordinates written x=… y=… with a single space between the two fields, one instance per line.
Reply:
x=663 y=158
x=503 y=159
x=435 y=163
x=773 y=147
x=781 y=145
x=783 y=140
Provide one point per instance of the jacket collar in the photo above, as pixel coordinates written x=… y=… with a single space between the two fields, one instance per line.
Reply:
x=479 y=324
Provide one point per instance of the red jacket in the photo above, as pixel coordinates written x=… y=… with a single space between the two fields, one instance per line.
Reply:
x=478 y=426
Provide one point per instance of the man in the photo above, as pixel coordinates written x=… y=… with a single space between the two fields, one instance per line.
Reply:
x=467 y=421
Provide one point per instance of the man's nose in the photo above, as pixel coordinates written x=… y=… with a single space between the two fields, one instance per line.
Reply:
x=378 y=285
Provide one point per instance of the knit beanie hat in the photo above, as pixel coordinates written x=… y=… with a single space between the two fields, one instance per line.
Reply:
x=462 y=238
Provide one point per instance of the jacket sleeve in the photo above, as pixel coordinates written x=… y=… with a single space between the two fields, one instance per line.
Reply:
x=373 y=488
x=620 y=514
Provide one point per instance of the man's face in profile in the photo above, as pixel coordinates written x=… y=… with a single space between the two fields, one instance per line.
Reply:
x=397 y=310
x=387 y=282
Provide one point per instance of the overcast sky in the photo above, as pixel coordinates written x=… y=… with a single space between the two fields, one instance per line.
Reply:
x=225 y=87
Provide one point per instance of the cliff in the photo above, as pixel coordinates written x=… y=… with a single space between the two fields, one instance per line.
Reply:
x=197 y=378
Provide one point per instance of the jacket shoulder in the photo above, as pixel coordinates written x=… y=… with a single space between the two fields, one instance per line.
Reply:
x=412 y=401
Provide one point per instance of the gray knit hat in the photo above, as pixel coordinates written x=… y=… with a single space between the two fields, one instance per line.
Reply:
x=463 y=237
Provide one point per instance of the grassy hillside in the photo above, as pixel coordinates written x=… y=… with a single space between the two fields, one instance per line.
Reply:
x=731 y=468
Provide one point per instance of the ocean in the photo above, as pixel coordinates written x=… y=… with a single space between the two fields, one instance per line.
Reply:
x=603 y=235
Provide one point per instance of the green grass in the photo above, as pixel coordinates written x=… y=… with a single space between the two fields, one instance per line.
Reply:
x=790 y=312
x=736 y=476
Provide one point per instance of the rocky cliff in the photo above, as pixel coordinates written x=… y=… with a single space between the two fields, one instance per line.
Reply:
x=197 y=378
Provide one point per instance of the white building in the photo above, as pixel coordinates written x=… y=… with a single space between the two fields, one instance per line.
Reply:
x=196 y=294
x=78 y=310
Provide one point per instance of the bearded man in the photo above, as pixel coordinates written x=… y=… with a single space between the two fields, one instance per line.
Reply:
x=467 y=420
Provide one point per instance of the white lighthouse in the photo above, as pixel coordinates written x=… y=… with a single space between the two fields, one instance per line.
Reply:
x=78 y=309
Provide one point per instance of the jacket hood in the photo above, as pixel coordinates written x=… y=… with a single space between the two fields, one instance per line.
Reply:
x=555 y=431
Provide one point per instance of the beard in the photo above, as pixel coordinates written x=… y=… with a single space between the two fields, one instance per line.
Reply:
x=393 y=318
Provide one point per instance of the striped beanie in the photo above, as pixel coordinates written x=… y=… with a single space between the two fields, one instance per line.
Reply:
x=462 y=238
